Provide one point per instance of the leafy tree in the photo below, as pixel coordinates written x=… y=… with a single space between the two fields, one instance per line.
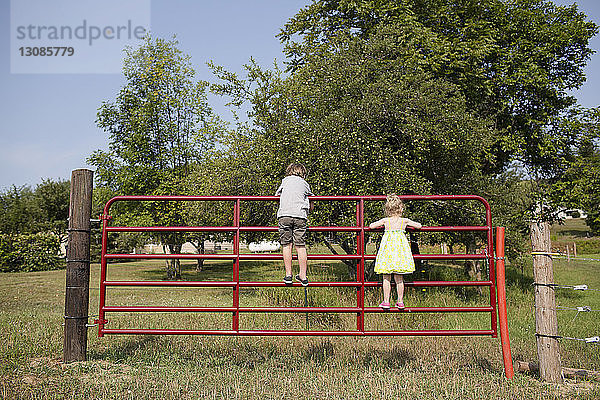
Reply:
x=364 y=121
x=18 y=211
x=43 y=209
x=52 y=199
x=591 y=189
x=33 y=223
x=428 y=96
x=514 y=60
x=361 y=123
x=578 y=184
x=159 y=125
x=29 y=252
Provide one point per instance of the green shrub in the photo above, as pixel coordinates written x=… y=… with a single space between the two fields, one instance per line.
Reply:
x=588 y=246
x=29 y=252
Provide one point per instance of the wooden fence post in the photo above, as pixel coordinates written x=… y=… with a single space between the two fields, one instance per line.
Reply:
x=546 y=322
x=78 y=267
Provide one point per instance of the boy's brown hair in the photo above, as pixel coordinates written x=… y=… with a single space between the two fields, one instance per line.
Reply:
x=296 y=169
x=393 y=206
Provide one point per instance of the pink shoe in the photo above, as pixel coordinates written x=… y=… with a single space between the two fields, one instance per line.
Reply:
x=385 y=305
x=400 y=305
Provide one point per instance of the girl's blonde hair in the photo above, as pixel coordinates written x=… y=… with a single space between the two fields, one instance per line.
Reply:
x=393 y=206
x=296 y=169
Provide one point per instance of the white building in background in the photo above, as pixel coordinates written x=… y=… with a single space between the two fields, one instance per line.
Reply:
x=212 y=247
x=187 y=248
x=572 y=214
x=264 y=246
x=559 y=214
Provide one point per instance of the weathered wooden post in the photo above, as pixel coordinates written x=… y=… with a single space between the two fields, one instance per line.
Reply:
x=78 y=267
x=546 y=322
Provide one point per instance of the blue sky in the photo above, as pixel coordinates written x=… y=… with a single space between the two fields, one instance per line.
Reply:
x=47 y=120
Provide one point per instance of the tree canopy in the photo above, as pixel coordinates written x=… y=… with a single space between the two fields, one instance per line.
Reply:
x=365 y=123
x=33 y=223
x=43 y=209
x=426 y=96
x=515 y=61
x=578 y=184
x=159 y=126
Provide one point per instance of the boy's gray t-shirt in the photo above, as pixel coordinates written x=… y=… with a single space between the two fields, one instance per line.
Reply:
x=293 y=202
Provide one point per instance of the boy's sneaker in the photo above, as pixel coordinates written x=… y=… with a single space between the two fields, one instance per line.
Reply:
x=287 y=280
x=303 y=282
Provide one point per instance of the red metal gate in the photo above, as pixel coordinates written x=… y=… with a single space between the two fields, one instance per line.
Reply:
x=360 y=284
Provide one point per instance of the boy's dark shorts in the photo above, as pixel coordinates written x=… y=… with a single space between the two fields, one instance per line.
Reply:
x=292 y=229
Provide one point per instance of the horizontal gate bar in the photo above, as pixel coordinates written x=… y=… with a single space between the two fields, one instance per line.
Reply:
x=171 y=283
x=315 y=198
x=296 y=333
x=281 y=284
x=249 y=257
x=274 y=229
x=170 y=256
x=292 y=309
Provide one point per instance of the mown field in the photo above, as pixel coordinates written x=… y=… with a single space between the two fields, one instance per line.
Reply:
x=198 y=367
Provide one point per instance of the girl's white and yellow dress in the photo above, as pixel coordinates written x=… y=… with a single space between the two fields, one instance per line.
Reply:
x=394 y=255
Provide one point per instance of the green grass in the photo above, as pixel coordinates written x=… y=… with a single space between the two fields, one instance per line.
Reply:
x=214 y=367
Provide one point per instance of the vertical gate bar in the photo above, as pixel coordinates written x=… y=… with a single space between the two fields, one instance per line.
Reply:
x=361 y=268
x=359 y=316
x=103 y=266
x=502 y=313
x=492 y=269
x=236 y=266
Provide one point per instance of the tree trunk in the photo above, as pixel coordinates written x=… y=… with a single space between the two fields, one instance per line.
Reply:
x=414 y=249
x=200 y=261
x=444 y=248
x=173 y=265
x=472 y=268
x=351 y=264
x=200 y=249
x=350 y=248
